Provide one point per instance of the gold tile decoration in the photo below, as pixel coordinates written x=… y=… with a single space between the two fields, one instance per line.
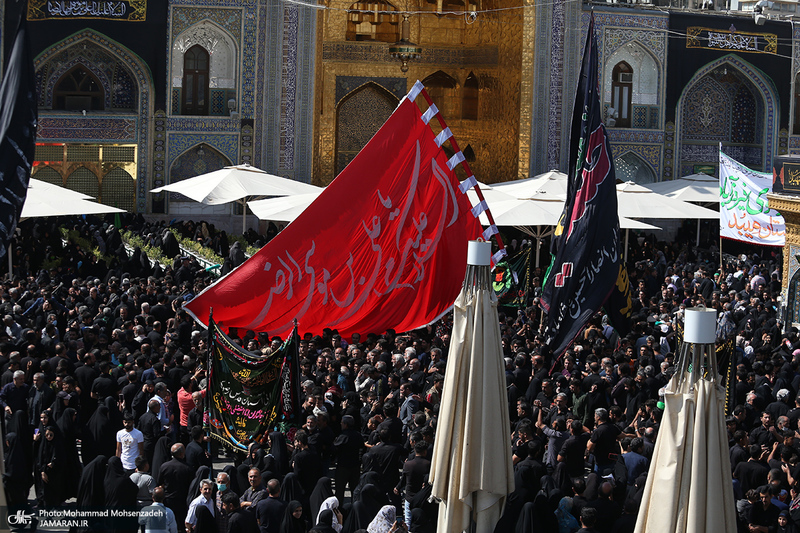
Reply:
x=526 y=90
x=490 y=49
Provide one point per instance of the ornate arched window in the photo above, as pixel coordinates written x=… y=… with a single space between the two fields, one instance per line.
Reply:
x=195 y=81
x=469 y=100
x=373 y=21
x=443 y=90
x=621 y=94
x=78 y=90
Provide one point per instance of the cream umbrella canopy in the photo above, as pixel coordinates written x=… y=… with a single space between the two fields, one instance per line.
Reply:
x=700 y=188
x=471 y=468
x=48 y=200
x=236 y=184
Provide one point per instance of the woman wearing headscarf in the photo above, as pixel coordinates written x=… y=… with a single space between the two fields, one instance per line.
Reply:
x=72 y=468
x=785 y=524
x=49 y=469
x=280 y=453
x=385 y=521
x=91 y=493
x=206 y=523
x=99 y=437
x=293 y=521
x=19 y=456
x=17 y=476
x=114 y=414
x=160 y=456
x=364 y=508
x=324 y=522
x=332 y=504
x=194 y=488
x=292 y=490
x=566 y=522
x=537 y=516
x=253 y=459
x=120 y=493
x=322 y=491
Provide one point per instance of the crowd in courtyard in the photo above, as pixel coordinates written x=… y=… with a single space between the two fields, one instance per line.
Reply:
x=102 y=381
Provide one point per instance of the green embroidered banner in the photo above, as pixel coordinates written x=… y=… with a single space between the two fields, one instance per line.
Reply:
x=129 y=10
x=250 y=394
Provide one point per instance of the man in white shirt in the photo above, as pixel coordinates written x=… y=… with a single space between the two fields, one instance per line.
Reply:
x=157 y=518
x=130 y=443
x=203 y=500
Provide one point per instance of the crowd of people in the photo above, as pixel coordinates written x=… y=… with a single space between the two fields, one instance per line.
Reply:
x=103 y=384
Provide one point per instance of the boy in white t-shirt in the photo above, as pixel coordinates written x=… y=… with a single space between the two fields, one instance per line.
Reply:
x=130 y=443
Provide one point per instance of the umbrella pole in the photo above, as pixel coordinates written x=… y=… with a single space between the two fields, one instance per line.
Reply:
x=244 y=215
x=627 y=233
x=538 y=243
x=697 y=242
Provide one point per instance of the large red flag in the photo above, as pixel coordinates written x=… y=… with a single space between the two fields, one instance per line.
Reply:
x=383 y=246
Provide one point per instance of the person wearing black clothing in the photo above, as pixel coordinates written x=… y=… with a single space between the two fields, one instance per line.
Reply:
x=306 y=464
x=764 y=514
x=738 y=453
x=270 y=510
x=175 y=476
x=151 y=429
x=573 y=450
x=103 y=386
x=40 y=397
x=196 y=455
x=753 y=473
x=603 y=442
x=385 y=458
x=607 y=509
x=239 y=520
x=347 y=448
x=415 y=472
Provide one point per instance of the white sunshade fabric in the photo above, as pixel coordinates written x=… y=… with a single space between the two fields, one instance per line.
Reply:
x=637 y=201
x=230 y=184
x=47 y=200
x=700 y=188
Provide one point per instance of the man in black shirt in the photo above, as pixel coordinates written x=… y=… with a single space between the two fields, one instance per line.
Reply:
x=764 y=514
x=414 y=473
x=603 y=442
x=347 y=447
x=573 y=450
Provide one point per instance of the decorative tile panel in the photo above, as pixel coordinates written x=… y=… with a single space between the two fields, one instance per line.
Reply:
x=88 y=129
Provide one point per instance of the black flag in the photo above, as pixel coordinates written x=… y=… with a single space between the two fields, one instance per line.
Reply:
x=18 y=112
x=586 y=265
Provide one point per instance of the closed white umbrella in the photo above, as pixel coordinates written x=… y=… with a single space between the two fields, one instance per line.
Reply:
x=689 y=487
x=471 y=468
x=236 y=184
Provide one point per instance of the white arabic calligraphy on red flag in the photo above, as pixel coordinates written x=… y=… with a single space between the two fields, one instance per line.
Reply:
x=744 y=212
x=383 y=246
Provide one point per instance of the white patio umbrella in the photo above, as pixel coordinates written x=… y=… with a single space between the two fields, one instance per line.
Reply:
x=282 y=208
x=47 y=200
x=236 y=184
x=700 y=188
x=471 y=468
x=550 y=185
x=689 y=487
x=637 y=201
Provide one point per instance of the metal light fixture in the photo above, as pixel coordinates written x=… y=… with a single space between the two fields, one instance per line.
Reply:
x=404 y=50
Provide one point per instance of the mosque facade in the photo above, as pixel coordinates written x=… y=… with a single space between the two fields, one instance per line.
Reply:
x=135 y=94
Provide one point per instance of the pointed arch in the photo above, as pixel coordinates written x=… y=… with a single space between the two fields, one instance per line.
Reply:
x=79 y=89
x=222 y=75
x=630 y=167
x=85 y=181
x=131 y=91
x=443 y=90
x=49 y=175
x=358 y=116
x=118 y=189
x=758 y=154
x=199 y=159
x=469 y=99
x=642 y=72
